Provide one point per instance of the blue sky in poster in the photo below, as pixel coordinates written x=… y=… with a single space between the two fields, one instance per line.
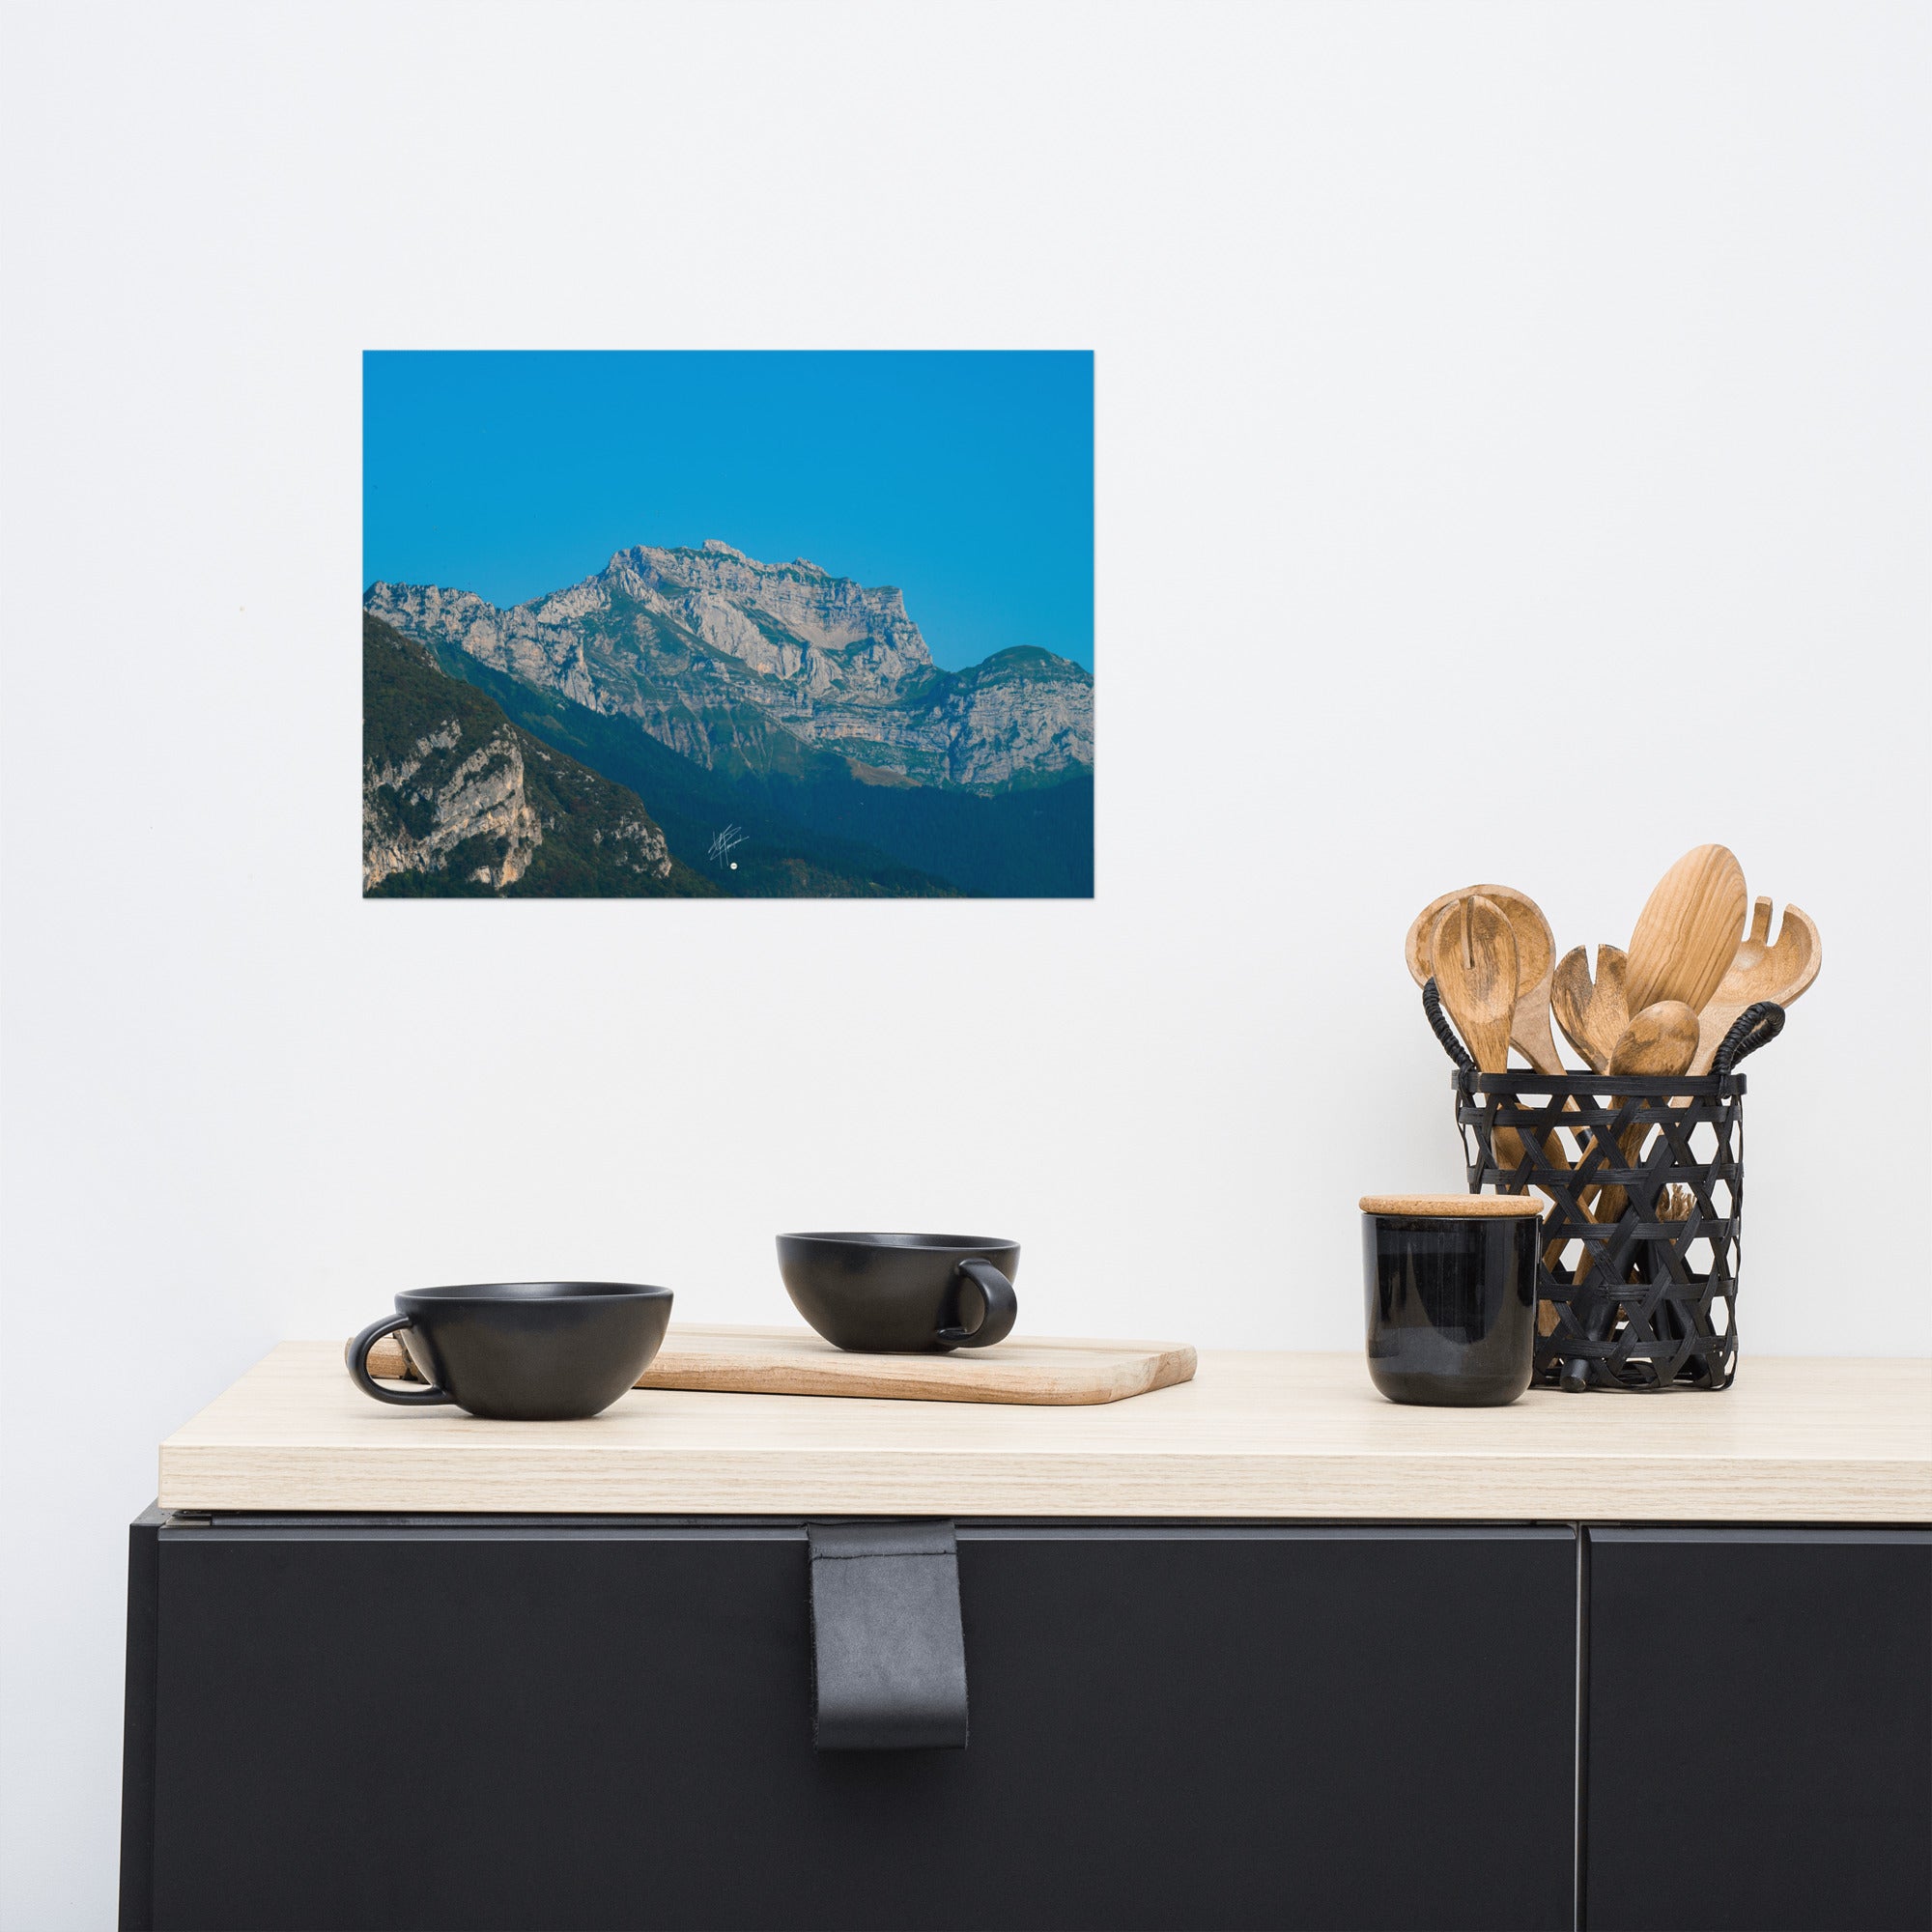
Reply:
x=964 y=477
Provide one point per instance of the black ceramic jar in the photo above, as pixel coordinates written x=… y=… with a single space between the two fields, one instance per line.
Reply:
x=1450 y=1281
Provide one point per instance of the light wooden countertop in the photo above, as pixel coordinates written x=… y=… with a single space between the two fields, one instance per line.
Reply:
x=1254 y=1434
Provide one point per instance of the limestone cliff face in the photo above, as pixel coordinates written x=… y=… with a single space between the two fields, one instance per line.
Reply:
x=480 y=796
x=458 y=799
x=788 y=620
x=1020 y=714
x=738 y=664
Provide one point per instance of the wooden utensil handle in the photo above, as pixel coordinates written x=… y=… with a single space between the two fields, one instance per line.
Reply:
x=389 y=1360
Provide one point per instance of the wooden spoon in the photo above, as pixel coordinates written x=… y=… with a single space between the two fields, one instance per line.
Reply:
x=1760 y=970
x=1535 y=959
x=1659 y=1043
x=1688 y=934
x=1592 y=1018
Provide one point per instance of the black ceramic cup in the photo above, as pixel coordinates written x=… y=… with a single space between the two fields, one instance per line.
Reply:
x=1451 y=1290
x=520 y=1350
x=902 y=1294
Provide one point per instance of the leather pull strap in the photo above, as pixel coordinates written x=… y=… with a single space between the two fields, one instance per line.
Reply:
x=889 y=1658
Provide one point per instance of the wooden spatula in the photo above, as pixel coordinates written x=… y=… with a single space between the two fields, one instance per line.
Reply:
x=1759 y=970
x=1688 y=934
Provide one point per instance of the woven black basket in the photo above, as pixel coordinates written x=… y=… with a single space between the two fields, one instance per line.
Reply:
x=1644 y=1301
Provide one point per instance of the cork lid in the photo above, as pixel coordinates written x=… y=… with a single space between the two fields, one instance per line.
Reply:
x=1459 y=1206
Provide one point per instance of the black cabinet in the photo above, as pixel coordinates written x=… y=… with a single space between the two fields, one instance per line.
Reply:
x=588 y=1722
x=1759 y=1730
x=591 y=1722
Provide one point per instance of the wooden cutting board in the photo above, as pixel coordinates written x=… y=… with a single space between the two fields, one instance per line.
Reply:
x=794 y=1361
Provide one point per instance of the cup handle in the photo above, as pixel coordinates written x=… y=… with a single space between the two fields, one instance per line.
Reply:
x=356 y=1357
x=1001 y=1309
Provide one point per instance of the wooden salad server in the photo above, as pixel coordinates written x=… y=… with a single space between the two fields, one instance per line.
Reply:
x=1687 y=935
x=1593 y=1016
x=1470 y=949
x=1472 y=956
x=1760 y=970
x=1536 y=960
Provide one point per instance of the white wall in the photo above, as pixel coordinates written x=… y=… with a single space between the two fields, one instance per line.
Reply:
x=1513 y=464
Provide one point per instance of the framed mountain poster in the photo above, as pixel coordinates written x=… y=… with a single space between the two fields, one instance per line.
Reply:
x=798 y=625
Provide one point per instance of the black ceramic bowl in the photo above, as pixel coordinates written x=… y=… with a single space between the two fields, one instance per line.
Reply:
x=521 y=1350
x=902 y=1294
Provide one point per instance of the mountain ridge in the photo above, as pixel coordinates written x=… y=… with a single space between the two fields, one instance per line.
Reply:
x=757 y=669
x=461 y=798
x=457 y=800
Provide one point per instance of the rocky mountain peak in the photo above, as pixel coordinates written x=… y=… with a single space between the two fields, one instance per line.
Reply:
x=728 y=661
x=772 y=614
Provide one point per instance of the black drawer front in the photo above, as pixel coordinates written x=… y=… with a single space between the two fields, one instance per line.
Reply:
x=554 y=1726
x=1760 y=1730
